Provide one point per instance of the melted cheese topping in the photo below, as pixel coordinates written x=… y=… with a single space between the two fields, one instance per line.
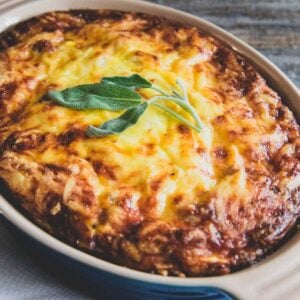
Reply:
x=157 y=173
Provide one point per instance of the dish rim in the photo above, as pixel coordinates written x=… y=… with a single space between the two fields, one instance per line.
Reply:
x=235 y=282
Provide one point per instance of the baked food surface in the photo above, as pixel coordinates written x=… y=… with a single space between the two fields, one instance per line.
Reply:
x=158 y=197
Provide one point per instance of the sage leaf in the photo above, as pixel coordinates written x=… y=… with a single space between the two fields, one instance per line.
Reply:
x=102 y=95
x=183 y=104
x=183 y=89
x=177 y=116
x=117 y=125
x=118 y=93
x=134 y=81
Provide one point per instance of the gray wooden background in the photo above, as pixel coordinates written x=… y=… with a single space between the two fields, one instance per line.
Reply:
x=270 y=26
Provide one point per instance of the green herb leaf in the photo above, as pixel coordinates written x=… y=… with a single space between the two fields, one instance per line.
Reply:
x=177 y=116
x=134 y=81
x=182 y=86
x=102 y=95
x=118 y=93
x=183 y=104
x=114 y=126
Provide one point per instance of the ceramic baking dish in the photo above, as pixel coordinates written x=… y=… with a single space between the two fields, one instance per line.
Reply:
x=275 y=277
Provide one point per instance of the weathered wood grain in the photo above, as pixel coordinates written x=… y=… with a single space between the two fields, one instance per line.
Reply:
x=270 y=26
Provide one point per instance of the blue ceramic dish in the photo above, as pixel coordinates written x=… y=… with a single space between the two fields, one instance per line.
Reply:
x=97 y=282
x=115 y=282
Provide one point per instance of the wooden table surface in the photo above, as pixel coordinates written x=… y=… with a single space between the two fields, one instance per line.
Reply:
x=270 y=26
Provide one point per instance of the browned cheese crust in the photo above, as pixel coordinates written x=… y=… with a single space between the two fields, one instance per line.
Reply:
x=159 y=197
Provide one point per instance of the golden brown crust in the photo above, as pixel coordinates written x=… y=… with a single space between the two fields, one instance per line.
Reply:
x=175 y=202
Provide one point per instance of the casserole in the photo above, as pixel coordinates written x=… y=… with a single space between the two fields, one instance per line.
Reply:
x=204 y=30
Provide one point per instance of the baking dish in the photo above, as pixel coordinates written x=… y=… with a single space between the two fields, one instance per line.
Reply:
x=263 y=278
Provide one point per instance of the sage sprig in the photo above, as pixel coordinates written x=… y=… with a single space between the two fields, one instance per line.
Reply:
x=120 y=93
